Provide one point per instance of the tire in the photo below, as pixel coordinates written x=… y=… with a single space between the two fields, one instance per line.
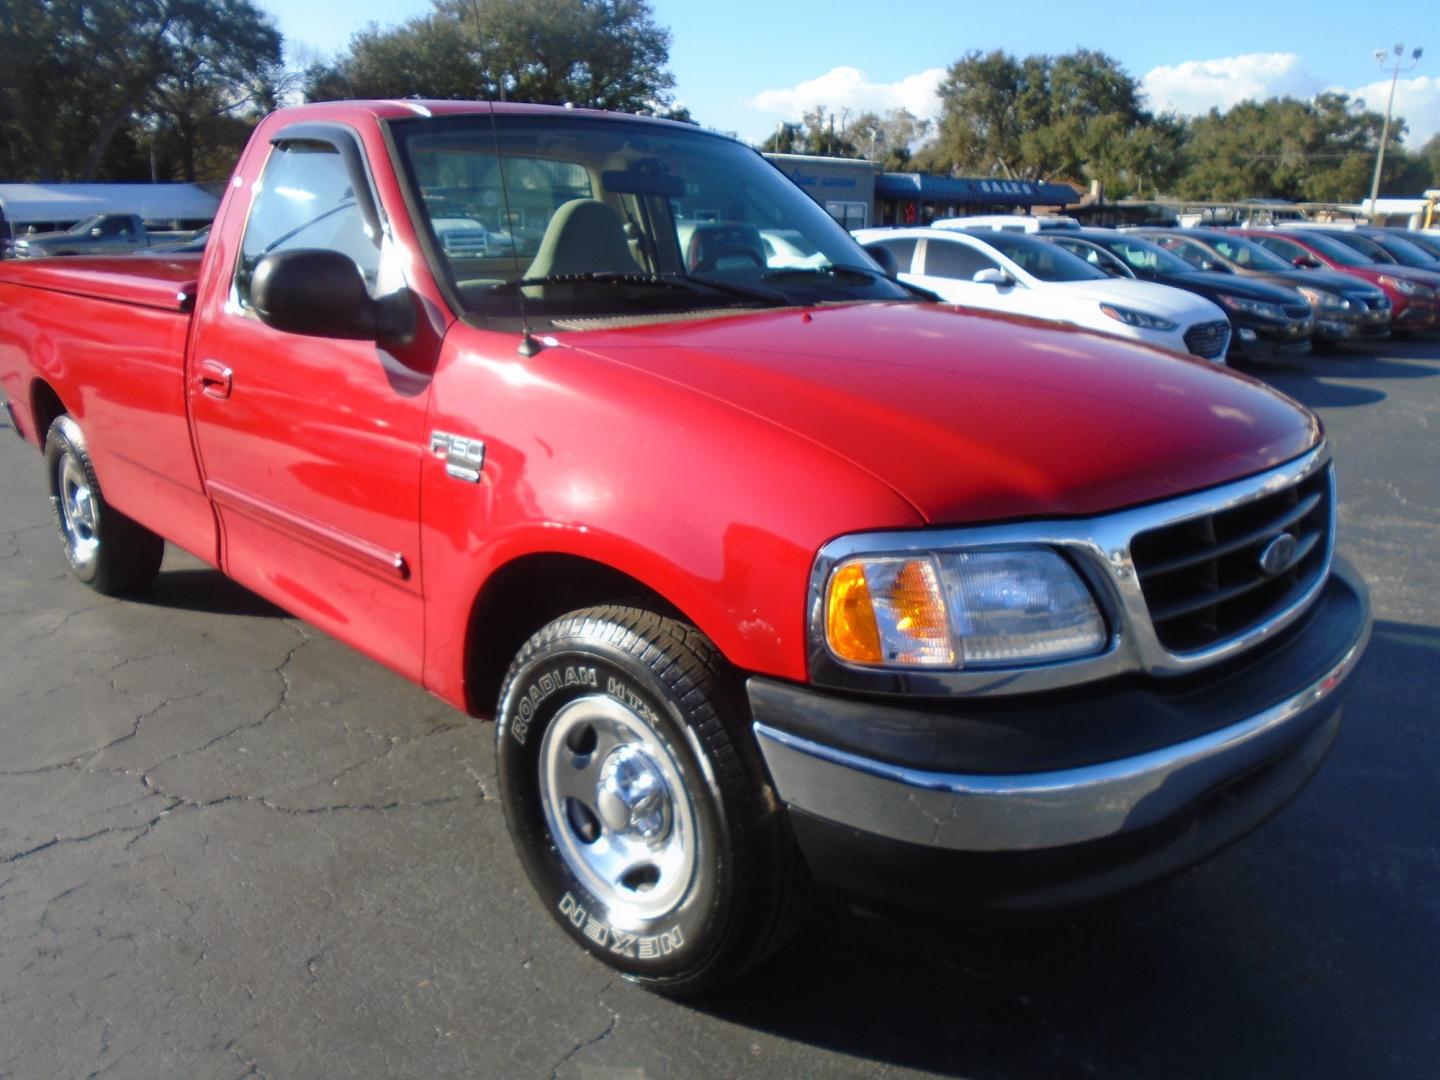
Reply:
x=638 y=802
x=105 y=549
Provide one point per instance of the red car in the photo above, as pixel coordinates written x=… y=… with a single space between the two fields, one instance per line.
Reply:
x=1414 y=299
x=768 y=571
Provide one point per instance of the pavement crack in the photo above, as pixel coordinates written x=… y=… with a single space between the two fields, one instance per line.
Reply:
x=586 y=1044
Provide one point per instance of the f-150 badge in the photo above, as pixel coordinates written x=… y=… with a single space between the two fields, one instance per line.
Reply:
x=464 y=457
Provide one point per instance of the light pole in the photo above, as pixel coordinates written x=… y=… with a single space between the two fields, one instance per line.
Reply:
x=1381 y=56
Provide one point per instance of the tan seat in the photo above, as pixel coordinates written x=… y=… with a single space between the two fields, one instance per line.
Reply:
x=585 y=236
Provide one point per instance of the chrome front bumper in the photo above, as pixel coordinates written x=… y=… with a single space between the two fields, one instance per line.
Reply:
x=1014 y=811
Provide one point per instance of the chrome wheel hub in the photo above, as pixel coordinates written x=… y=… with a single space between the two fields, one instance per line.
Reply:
x=79 y=518
x=618 y=809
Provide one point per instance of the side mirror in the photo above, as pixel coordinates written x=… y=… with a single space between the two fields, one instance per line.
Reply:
x=1307 y=262
x=322 y=293
x=95 y=232
x=993 y=276
x=885 y=257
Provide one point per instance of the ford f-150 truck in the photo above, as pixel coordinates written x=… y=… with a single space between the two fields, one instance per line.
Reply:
x=771 y=574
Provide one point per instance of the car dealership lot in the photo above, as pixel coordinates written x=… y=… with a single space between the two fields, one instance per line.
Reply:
x=230 y=846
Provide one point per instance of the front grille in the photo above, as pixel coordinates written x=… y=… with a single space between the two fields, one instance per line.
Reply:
x=1202 y=577
x=1298 y=311
x=1208 y=339
x=1378 y=303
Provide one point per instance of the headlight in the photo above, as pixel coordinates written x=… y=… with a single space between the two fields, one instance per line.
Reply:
x=1324 y=300
x=977 y=609
x=1408 y=288
x=1131 y=317
x=1252 y=307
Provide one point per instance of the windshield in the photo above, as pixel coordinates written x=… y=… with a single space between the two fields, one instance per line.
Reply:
x=87 y=224
x=1248 y=254
x=1039 y=258
x=1366 y=247
x=1406 y=253
x=1335 y=250
x=582 y=215
x=1145 y=255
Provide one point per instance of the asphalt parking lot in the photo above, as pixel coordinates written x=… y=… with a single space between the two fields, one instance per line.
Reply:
x=231 y=847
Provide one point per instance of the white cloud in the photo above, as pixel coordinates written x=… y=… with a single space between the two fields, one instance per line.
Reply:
x=850 y=88
x=1417 y=102
x=1196 y=86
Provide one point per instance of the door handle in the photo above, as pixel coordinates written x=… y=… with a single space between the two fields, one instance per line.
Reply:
x=216 y=379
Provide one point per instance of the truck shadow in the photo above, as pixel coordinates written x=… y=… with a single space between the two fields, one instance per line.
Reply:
x=208 y=591
x=1306 y=949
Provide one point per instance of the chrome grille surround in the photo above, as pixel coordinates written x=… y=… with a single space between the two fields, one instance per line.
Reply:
x=1100 y=549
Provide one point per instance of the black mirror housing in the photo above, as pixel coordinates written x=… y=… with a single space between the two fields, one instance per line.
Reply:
x=321 y=293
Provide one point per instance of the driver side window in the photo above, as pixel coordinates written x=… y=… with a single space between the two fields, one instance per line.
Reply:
x=305 y=200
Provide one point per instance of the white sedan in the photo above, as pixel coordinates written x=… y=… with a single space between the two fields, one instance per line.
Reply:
x=1023 y=275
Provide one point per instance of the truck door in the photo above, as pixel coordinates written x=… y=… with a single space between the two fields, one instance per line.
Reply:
x=311 y=447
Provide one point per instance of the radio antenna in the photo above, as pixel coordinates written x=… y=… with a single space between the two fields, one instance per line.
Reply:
x=529 y=346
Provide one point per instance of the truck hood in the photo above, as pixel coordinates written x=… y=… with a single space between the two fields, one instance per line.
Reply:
x=974 y=417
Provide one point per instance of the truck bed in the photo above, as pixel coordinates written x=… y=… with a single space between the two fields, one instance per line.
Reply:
x=142 y=281
x=106 y=336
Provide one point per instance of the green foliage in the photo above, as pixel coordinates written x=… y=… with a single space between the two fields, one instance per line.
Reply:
x=174 y=81
x=1305 y=151
x=1078 y=115
x=605 y=54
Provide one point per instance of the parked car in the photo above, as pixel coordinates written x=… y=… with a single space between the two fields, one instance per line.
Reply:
x=1345 y=307
x=1023 y=275
x=1387 y=245
x=768 y=574
x=99 y=234
x=1428 y=242
x=1267 y=321
x=1026 y=223
x=1414 y=301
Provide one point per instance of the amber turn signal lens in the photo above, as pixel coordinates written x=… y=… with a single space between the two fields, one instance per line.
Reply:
x=850 y=617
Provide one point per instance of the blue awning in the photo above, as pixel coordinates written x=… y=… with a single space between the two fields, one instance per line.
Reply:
x=931 y=188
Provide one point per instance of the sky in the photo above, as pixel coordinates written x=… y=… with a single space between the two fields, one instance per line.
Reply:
x=747 y=65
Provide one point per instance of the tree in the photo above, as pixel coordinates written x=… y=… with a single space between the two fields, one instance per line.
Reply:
x=604 y=54
x=888 y=139
x=1077 y=115
x=1307 y=151
x=79 y=73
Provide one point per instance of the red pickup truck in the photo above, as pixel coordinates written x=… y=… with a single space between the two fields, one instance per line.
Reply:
x=770 y=572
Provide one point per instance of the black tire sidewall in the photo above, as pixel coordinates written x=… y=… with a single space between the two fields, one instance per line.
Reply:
x=680 y=945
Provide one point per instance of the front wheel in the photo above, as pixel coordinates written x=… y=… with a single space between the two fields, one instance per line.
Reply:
x=105 y=549
x=638 y=802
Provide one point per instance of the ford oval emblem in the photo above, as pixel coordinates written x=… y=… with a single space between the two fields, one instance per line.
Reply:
x=1278 y=554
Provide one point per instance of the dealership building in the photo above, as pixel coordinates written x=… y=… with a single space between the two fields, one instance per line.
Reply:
x=858 y=194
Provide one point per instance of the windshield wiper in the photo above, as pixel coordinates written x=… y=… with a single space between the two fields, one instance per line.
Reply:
x=695 y=286
x=765 y=296
x=606 y=277
x=835 y=270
